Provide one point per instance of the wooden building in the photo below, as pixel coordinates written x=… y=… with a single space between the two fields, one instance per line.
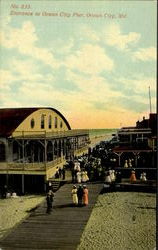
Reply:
x=33 y=142
x=138 y=144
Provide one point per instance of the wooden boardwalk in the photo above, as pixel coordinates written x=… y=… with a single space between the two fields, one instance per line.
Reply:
x=60 y=230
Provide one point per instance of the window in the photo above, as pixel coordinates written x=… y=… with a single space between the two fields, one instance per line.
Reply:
x=56 y=122
x=61 y=124
x=32 y=123
x=42 y=121
x=50 y=122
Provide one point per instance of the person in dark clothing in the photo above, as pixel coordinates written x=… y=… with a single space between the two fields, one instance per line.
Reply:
x=60 y=172
x=118 y=177
x=49 y=199
x=73 y=175
x=4 y=191
x=63 y=172
x=80 y=195
x=57 y=173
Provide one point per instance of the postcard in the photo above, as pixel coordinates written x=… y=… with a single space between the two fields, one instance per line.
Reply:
x=93 y=63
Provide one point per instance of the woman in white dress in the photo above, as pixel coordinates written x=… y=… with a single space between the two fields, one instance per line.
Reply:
x=78 y=174
x=112 y=175
x=126 y=164
x=74 y=195
x=108 y=178
x=143 y=177
x=84 y=176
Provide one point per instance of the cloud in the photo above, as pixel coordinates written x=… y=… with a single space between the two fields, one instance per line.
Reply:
x=22 y=71
x=113 y=37
x=65 y=46
x=145 y=54
x=87 y=32
x=6 y=79
x=24 y=39
x=25 y=70
x=90 y=59
x=140 y=84
x=140 y=96
x=93 y=89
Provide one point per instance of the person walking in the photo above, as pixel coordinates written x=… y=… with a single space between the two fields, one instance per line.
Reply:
x=133 y=177
x=74 y=195
x=73 y=174
x=107 y=178
x=113 y=176
x=78 y=176
x=80 y=195
x=49 y=199
x=85 y=195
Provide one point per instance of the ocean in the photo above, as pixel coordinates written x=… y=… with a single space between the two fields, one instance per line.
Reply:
x=94 y=133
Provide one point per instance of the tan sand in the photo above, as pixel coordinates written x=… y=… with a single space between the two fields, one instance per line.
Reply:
x=121 y=221
x=13 y=210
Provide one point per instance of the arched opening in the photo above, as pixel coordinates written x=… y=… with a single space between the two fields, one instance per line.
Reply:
x=32 y=123
x=56 y=122
x=50 y=122
x=42 y=121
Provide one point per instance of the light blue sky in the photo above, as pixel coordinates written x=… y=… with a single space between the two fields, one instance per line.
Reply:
x=95 y=69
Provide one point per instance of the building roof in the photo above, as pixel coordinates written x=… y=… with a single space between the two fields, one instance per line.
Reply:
x=121 y=149
x=11 y=118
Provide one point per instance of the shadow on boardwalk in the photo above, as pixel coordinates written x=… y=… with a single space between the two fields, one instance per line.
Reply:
x=61 y=229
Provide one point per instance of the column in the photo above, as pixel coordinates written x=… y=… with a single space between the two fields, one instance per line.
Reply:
x=23 y=183
x=23 y=159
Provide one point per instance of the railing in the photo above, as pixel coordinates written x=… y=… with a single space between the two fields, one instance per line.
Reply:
x=36 y=166
x=81 y=150
x=134 y=131
x=22 y=166
x=54 y=162
x=55 y=134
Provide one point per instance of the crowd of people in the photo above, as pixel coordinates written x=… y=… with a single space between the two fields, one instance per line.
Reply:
x=79 y=197
x=86 y=168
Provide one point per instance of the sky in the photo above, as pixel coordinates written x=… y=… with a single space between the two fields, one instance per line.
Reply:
x=94 y=61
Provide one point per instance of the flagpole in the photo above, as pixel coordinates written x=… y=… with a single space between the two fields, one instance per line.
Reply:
x=150 y=100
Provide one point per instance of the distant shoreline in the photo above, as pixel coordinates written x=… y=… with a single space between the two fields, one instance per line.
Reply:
x=97 y=139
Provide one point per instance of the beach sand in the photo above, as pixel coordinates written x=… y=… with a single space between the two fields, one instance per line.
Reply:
x=121 y=220
x=14 y=210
